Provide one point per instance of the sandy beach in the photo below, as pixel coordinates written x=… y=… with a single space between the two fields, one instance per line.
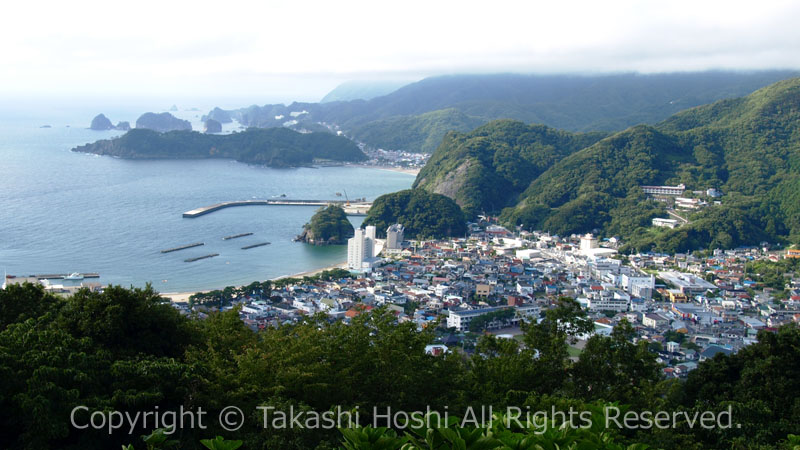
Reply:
x=409 y=170
x=183 y=297
x=311 y=273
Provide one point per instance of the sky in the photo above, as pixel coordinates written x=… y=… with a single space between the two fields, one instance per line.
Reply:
x=259 y=51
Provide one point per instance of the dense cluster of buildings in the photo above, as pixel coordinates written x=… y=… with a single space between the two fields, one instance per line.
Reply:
x=686 y=307
x=667 y=298
x=396 y=158
x=363 y=248
x=675 y=197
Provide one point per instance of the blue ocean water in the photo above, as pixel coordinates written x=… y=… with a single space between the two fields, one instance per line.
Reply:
x=63 y=212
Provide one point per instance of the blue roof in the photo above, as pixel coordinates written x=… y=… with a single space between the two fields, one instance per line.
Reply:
x=713 y=350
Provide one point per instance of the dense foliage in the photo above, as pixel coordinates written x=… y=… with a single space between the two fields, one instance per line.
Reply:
x=422 y=133
x=546 y=179
x=329 y=225
x=773 y=274
x=483 y=321
x=424 y=215
x=125 y=350
x=485 y=169
x=275 y=147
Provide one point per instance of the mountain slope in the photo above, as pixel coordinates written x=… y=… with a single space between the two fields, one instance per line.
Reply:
x=483 y=170
x=422 y=133
x=748 y=147
x=571 y=102
x=361 y=90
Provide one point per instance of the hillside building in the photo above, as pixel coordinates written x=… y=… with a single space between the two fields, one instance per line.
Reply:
x=394 y=237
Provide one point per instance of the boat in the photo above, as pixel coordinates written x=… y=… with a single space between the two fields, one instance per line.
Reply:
x=74 y=276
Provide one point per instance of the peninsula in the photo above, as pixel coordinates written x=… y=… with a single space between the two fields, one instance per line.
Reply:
x=273 y=147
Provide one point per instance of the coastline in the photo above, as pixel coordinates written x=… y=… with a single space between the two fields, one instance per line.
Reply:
x=406 y=170
x=182 y=297
x=409 y=171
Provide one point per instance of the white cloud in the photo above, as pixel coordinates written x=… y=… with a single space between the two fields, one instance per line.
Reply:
x=262 y=47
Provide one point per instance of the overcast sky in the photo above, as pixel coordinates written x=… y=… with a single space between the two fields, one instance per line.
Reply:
x=301 y=49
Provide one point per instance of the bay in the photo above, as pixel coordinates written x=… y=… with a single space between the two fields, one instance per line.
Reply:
x=63 y=212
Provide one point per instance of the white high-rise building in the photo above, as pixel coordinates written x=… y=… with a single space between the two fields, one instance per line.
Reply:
x=394 y=237
x=360 y=248
x=370 y=231
x=588 y=242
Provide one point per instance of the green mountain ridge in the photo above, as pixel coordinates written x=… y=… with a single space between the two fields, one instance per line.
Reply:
x=422 y=133
x=483 y=170
x=571 y=102
x=746 y=147
x=275 y=147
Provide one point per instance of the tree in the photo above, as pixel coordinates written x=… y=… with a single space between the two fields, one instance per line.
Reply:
x=615 y=369
x=19 y=302
x=483 y=321
x=550 y=337
x=329 y=225
x=422 y=214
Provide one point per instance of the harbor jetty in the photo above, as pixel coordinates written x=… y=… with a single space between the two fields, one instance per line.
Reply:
x=183 y=247
x=235 y=236
x=352 y=208
x=198 y=258
x=247 y=247
x=55 y=276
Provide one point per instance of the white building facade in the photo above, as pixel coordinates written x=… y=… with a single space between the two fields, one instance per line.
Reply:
x=394 y=237
x=360 y=248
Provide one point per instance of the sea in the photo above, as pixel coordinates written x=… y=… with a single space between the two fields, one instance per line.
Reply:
x=65 y=212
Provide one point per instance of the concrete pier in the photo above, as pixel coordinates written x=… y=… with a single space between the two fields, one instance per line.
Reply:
x=355 y=209
x=54 y=276
x=201 y=257
x=247 y=247
x=182 y=247
x=236 y=236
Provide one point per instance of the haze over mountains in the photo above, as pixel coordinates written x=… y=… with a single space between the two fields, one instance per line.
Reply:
x=566 y=154
x=461 y=102
x=361 y=90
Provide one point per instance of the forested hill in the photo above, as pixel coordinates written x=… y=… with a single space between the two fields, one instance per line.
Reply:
x=422 y=133
x=486 y=169
x=749 y=148
x=570 y=102
x=276 y=147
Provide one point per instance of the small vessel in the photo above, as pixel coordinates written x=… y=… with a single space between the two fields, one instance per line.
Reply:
x=74 y=276
x=338 y=194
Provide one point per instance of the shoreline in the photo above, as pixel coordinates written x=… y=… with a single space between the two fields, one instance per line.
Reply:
x=406 y=170
x=182 y=297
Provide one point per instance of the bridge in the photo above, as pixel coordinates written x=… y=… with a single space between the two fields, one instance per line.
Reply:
x=352 y=209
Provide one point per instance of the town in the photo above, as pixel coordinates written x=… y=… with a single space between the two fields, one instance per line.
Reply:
x=688 y=307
